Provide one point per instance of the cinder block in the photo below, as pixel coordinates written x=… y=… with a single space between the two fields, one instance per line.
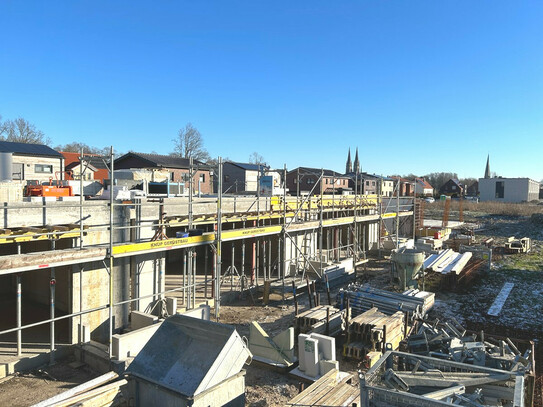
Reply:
x=311 y=356
x=301 y=352
x=327 y=346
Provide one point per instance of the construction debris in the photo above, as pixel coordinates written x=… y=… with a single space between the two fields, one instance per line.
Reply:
x=371 y=330
x=363 y=298
x=404 y=379
x=516 y=246
x=449 y=340
x=498 y=303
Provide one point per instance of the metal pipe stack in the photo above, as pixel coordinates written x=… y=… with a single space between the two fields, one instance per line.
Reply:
x=364 y=297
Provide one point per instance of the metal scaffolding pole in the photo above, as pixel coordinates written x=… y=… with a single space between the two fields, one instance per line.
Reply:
x=398 y=214
x=320 y=220
x=110 y=253
x=218 y=244
x=52 y=284
x=19 y=308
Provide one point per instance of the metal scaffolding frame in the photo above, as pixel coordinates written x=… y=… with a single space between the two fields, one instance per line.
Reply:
x=289 y=218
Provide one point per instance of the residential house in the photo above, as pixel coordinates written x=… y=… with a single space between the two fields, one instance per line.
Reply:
x=406 y=186
x=240 y=178
x=94 y=166
x=32 y=161
x=508 y=189
x=423 y=188
x=473 y=189
x=305 y=180
x=176 y=167
x=452 y=188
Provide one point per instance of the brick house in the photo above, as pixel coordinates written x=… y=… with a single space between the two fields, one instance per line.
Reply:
x=332 y=182
x=177 y=167
x=96 y=167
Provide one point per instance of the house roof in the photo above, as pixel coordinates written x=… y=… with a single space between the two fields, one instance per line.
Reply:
x=28 y=149
x=424 y=183
x=159 y=160
x=94 y=159
x=76 y=164
x=317 y=171
x=249 y=166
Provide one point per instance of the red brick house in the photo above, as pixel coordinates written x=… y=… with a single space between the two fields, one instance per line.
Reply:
x=177 y=167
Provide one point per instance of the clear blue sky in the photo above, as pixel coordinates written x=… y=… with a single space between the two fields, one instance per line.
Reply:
x=418 y=86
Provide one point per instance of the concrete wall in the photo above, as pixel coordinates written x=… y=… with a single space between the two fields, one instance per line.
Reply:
x=29 y=166
x=11 y=191
x=515 y=189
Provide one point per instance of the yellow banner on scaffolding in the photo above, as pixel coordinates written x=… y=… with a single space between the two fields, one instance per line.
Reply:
x=234 y=234
x=165 y=244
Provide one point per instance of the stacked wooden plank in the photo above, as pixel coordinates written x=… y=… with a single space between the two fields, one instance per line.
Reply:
x=333 y=389
x=370 y=331
x=322 y=319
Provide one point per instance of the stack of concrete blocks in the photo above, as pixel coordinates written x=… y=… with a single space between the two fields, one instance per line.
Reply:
x=277 y=351
x=316 y=354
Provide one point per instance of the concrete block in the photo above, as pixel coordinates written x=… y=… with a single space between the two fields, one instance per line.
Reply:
x=326 y=365
x=285 y=342
x=311 y=356
x=171 y=305
x=130 y=344
x=301 y=355
x=327 y=346
x=262 y=346
x=202 y=312
x=141 y=319
x=86 y=338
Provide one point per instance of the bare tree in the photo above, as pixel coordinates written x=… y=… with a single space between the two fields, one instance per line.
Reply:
x=256 y=158
x=189 y=143
x=76 y=146
x=22 y=131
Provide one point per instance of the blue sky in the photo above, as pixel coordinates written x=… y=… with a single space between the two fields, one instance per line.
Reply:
x=418 y=86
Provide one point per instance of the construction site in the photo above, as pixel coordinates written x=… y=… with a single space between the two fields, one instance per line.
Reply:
x=290 y=299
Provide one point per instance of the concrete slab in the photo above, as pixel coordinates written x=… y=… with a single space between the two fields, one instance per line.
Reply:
x=263 y=347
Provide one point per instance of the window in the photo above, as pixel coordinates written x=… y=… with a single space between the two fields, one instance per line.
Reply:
x=172 y=176
x=500 y=189
x=367 y=183
x=310 y=181
x=373 y=183
x=17 y=172
x=202 y=178
x=43 y=168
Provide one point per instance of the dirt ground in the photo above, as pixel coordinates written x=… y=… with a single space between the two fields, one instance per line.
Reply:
x=25 y=389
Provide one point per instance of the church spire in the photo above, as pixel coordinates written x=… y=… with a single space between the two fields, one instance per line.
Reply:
x=349 y=166
x=487 y=170
x=356 y=167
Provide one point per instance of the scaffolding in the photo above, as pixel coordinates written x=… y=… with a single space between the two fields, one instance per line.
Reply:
x=287 y=235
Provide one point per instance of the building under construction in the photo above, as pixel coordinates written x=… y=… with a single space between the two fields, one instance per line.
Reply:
x=73 y=271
